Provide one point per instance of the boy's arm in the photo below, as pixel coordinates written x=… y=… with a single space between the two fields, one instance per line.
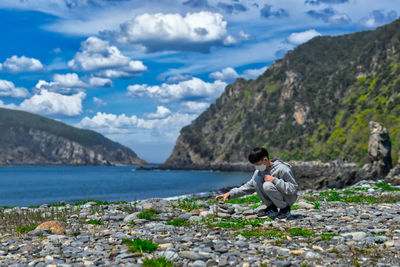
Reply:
x=286 y=183
x=245 y=189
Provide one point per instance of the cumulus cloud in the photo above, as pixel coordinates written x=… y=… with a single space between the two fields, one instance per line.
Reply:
x=378 y=17
x=62 y=83
x=50 y=103
x=159 y=32
x=167 y=127
x=187 y=90
x=8 y=88
x=100 y=82
x=267 y=12
x=227 y=74
x=161 y=112
x=329 y=15
x=297 y=38
x=99 y=55
x=332 y=2
x=99 y=102
x=253 y=73
x=194 y=107
x=17 y=64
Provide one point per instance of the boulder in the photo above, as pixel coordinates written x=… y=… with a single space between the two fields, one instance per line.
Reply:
x=55 y=227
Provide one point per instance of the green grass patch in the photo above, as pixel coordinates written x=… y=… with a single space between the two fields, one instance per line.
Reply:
x=300 y=232
x=258 y=232
x=95 y=222
x=187 y=204
x=255 y=206
x=147 y=214
x=26 y=228
x=132 y=223
x=294 y=207
x=233 y=223
x=248 y=199
x=328 y=236
x=387 y=187
x=139 y=245
x=178 y=222
x=156 y=262
x=348 y=196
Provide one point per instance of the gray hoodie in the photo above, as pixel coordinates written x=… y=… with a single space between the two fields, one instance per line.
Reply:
x=284 y=181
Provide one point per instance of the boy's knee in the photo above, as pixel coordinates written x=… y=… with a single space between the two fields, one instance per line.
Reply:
x=269 y=186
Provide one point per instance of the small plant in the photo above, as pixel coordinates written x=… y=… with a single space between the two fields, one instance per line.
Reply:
x=178 y=222
x=249 y=199
x=257 y=232
x=328 y=236
x=139 y=245
x=95 y=222
x=187 y=204
x=147 y=214
x=387 y=187
x=132 y=223
x=294 y=207
x=26 y=228
x=316 y=205
x=300 y=232
x=156 y=262
x=255 y=206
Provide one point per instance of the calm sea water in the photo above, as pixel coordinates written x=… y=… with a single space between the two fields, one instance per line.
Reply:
x=26 y=186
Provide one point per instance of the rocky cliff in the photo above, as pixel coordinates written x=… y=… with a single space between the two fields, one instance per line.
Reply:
x=314 y=104
x=28 y=139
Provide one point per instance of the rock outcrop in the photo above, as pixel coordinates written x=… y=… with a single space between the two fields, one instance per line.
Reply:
x=379 y=150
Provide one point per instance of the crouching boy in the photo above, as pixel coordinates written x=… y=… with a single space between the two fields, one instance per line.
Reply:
x=273 y=182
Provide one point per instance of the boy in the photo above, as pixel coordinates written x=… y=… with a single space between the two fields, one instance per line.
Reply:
x=273 y=182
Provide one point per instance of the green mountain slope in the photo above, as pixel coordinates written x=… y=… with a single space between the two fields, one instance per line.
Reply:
x=315 y=103
x=26 y=138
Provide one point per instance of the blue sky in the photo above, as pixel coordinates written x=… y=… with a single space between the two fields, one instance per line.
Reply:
x=138 y=71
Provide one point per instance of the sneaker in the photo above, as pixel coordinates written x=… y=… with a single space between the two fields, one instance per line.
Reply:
x=270 y=211
x=284 y=213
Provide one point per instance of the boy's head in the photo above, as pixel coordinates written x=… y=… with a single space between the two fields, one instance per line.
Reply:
x=258 y=154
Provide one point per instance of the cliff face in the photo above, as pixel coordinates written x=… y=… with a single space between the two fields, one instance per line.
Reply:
x=28 y=139
x=314 y=104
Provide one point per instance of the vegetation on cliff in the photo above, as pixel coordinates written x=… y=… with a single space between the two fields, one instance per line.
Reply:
x=315 y=103
x=27 y=138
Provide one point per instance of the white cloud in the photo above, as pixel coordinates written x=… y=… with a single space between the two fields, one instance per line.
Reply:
x=62 y=83
x=227 y=74
x=161 y=112
x=302 y=37
x=194 y=107
x=194 y=88
x=166 y=128
x=99 y=55
x=99 y=102
x=8 y=88
x=244 y=36
x=17 y=64
x=50 y=103
x=253 y=73
x=9 y=106
x=100 y=82
x=194 y=31
x=378 y=17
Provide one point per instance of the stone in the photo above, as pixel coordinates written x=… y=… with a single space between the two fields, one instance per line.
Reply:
x=199 y=263
x=312 y=255
x=355 y=235
x=191 y=255
x=54 y=226
x=297 y=252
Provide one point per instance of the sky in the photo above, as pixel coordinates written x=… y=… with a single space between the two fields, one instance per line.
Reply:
x=138 y=71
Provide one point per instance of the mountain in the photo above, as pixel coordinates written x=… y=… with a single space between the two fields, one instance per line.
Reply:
x=314 y=104
x=29 y=139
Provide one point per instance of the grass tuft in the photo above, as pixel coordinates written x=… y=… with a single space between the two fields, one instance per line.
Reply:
x=139 y=245
x=156 y=262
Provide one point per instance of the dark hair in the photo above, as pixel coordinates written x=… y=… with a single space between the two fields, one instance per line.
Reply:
x=258 y=154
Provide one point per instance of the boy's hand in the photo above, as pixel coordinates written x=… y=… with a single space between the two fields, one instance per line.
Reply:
x=268 y=178
x=225 y=196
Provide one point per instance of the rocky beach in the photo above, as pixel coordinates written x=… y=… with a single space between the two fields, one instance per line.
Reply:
x=355 y=226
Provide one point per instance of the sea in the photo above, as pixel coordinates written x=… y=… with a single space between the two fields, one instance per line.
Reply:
x=32 y=186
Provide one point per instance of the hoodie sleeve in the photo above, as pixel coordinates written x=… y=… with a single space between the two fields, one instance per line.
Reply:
x=285 y=182
x=246 y=189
